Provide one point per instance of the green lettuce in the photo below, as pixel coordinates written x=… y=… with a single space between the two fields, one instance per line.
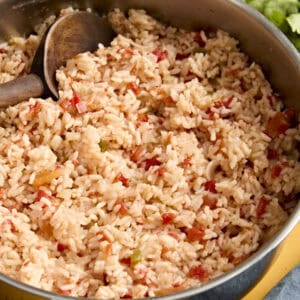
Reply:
x=282 y=13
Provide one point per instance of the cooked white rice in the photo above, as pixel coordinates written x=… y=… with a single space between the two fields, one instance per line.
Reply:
x=166 y=163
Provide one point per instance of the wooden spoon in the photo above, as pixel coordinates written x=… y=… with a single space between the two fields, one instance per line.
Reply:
x=68 y=36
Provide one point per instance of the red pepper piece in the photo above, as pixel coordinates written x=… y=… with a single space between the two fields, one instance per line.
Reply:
x=126 y=261
x=123 y=210
x=227 y=103
x=61 y=247
x=151 y=162
x=41 y=194
x=181 y=56
x=160 y=171
x=161 y=55
x=261 y=207
x=272 y=154
x=277 y=125
x=186 y=162
x=198 y=272
x=123 y=179
x=210 y=186
x=170 y=101
x=136 y=154
x=167 y=218
x=134 y=87
x=195 y=234
x=210 y=202
x=142 y=117
x=35 y=108
x=276 y=171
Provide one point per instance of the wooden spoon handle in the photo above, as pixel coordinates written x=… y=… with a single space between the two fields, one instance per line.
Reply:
x=20 y=89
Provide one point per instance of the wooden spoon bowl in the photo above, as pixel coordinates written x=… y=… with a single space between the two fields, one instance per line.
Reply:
x=70 y=35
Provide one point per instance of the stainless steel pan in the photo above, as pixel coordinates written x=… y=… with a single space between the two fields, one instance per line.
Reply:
x=259 y=38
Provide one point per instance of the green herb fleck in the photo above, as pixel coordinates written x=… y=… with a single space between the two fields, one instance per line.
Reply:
x=103 y=145
x=136 y=257
x=198 y=50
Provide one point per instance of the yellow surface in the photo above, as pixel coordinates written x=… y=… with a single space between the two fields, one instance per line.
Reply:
x=286 y=257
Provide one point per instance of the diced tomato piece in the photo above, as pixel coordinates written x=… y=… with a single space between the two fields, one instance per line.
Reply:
x=81 y=107
x=198 y=272
x=198 y=39
x=126 y=261
x=186 y=162
x=61 y=247
x=181 y=56
x=123 y=210
x=75 y=100
x=218 y=104
x=8 y=225
x=210 y=202
x=41 y=194
x=65 y=292
x=66 y=105
x=210 y=114
x=276 y=171
x=161 y=55
x=35 y=108
x=291 y=116
x=136 y=154
x=277 y=125
x=128 y=52
x=2 y=50
x=2 y=191
x=261 y=207
x=199 y=78
x=151 y=162
x=128 y=295
x=167 y=218
x=75 y=162
x=170 y=101
x=272 y=154
x=160 y=171
x=174 y=235
x=103 y=236
x=210 y=186
x=123 y=179
x=142 y=117
x=78 y=104
x=134 y=87
x=73 y=105
x=107 y=250
x=176 y=285
x=227 y=102
x=195 y=234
